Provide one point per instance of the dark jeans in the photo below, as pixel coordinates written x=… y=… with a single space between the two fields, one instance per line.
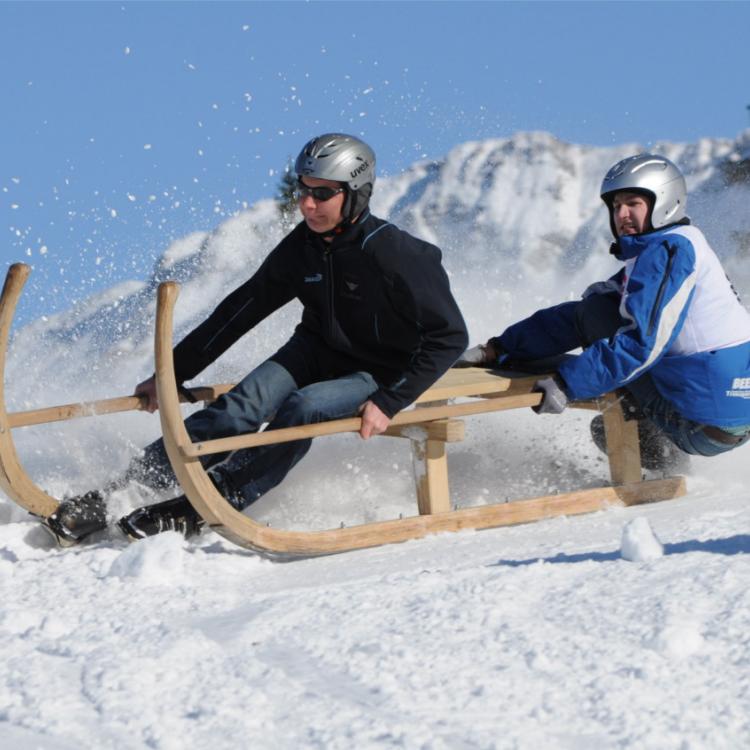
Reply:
x=267 y=394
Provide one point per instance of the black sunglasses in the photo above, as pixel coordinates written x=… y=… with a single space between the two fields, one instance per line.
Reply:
x=320 y=194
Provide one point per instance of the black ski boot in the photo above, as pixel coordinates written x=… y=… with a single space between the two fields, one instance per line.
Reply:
x=76 y=518
x=170 y=515
x=658 y=452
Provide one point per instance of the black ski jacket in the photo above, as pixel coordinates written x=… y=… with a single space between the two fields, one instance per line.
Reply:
x=375 y=298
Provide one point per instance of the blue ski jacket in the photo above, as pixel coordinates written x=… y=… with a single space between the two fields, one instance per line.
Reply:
x=684 y=325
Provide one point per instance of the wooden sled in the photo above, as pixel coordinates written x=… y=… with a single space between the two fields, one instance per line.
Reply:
x=430 y=425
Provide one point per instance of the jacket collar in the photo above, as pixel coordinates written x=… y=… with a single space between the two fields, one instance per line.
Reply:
x=631 y=245
x=346 y=235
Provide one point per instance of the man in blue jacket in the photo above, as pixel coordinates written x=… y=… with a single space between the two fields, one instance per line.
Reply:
x=668 y=327
x=379 y=326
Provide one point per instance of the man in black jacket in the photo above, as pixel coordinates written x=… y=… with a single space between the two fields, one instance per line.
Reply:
x=379 y=326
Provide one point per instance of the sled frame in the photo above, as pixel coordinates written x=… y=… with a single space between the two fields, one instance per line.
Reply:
x=436 y=419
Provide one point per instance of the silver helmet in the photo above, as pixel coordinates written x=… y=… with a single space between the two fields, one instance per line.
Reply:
x=653 y=175
x=345 y=159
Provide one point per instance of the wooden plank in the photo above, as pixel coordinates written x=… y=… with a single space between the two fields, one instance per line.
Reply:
x=14 y=481
x=456 y=383
x=447 y=430
x=623 y=448
x=352 y=424
x=276 y=543
x=465 y=381
x=103 y=406
x=518 y=384
x=430 y=464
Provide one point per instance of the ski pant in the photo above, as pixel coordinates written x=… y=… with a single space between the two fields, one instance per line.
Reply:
x=598 y=316
x=269 y=394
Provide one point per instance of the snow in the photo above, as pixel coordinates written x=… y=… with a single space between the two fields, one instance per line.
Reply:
x=639 y=542
x=522 y=637
x=628 y=628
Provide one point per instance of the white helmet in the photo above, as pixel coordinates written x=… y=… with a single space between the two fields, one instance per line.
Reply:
x=345 y=159
x=653 y=175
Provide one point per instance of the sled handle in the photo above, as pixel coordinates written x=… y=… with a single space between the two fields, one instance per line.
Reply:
x=353 y=424
x=104 y=406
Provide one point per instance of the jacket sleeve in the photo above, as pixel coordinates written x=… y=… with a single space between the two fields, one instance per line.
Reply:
x=266 y=291
x=656 y=299
x=551 y=331
x=420 y=277
x=546 y=333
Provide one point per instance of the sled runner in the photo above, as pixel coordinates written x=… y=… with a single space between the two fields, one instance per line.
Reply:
x=429 y=426
x=14 y=481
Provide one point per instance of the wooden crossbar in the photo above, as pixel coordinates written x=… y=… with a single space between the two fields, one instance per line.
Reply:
x=424 y=415
x=104 y=406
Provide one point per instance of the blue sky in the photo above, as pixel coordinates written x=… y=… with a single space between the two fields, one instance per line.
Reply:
x=126 y=125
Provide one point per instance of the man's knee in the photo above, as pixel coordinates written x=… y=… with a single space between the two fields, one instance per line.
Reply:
x=230 y=414
x=298 y=408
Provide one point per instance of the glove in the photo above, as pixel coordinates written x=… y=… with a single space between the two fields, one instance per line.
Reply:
x=477 y=355
x=555 y=399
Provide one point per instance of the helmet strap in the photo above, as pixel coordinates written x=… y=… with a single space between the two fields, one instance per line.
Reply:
x=355 y=204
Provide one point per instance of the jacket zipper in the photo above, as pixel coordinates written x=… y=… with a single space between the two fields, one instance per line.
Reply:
x=657 y=304
x=329 y=282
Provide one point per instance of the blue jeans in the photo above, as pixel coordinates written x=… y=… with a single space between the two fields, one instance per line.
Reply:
x=686 y=434
x=267 y=394
x=597 y=316
x=254 y=471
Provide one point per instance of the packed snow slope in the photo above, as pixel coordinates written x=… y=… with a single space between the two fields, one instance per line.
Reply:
x=622 y=629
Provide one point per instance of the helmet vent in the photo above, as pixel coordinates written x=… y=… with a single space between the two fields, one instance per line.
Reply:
x=656 y=162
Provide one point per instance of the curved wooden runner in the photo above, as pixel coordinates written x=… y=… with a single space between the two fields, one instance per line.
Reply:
x=14 y=480
x=248 y=533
